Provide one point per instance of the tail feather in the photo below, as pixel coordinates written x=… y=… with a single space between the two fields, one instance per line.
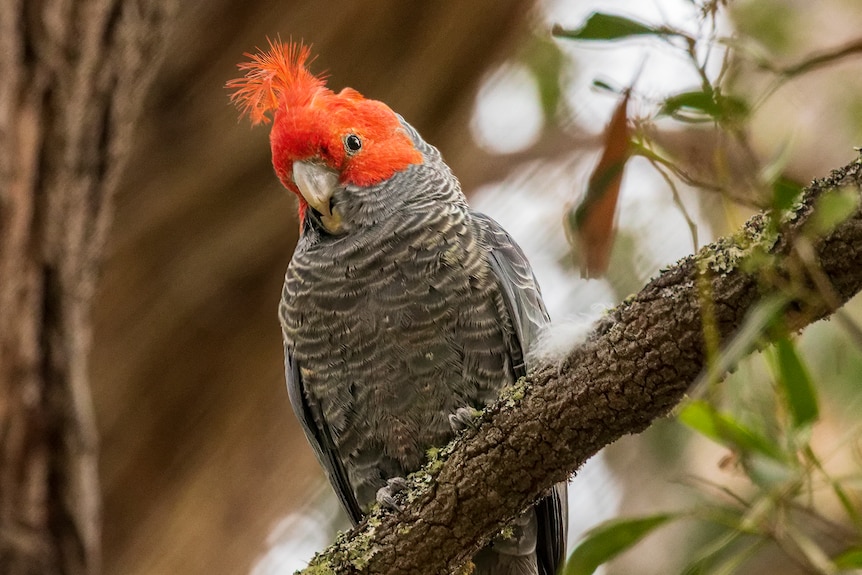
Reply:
x=512 y=552
x=489 y=562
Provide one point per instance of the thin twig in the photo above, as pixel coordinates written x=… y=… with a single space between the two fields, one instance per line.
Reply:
x=821 y=59
x=677 y=200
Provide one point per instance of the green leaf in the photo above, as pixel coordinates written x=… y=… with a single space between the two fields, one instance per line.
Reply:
x=602 y=85
x=832 y=208
x=690 y=101
x=608 y=540
x=849 y=559
x=546 y=62
x=723 y=429
x=746 y=339
x=784 y=193
x=796 y=382
x=704 y=105
x=608 y=27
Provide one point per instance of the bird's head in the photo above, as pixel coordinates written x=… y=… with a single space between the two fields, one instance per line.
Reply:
x=321 y=141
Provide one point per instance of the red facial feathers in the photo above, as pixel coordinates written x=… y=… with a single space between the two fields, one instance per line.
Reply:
x=310 y=121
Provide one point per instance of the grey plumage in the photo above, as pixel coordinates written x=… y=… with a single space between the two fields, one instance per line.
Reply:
x=419 y=307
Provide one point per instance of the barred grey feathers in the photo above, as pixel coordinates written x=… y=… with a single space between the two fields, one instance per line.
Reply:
x=418 y=308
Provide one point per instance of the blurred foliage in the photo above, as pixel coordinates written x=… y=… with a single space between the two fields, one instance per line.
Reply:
x=768 y=23
x=608 y=539
x=548 y=66
x=611 y=27
x=789 y=483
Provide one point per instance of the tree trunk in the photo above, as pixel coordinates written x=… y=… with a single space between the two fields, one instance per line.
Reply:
x=74 y=73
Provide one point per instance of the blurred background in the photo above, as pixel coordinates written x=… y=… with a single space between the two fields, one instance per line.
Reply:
x=204 y=467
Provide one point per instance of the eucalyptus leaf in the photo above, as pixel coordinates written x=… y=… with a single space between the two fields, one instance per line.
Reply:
x=784 y=193
x=608 y=540
x=725 y=430
x=704 y=105
x=601 y=26
x=833 y=208
x=795 y=381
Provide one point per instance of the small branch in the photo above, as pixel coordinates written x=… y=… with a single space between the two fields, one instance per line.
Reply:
x=821 y=59
x=634 y=368
x=486 y=167
x=677 y=200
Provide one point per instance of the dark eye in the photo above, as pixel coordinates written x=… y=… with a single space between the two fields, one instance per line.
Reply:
x=352 y=143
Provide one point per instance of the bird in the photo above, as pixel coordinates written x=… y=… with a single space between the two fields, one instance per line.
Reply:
x=403 y=310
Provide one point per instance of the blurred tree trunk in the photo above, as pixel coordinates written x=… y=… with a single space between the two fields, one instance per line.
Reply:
x=73 y=75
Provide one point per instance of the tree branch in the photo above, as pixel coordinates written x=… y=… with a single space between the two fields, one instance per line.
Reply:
x=634 y=368
x=821 y=59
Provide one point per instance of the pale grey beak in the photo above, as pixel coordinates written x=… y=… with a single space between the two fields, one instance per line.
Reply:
x=317 y=183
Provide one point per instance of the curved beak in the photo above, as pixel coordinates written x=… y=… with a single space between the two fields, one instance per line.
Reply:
x=317 y=183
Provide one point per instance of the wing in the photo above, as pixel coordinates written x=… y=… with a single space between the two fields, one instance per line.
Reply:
x=319 y=438
x=528 y=314
x=519 y=287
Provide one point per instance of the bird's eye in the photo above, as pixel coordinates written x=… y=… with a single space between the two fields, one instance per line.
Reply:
x=352 y=143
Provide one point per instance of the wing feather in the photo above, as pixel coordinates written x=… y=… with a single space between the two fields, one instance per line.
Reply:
x=528 y=314
x=318 y=436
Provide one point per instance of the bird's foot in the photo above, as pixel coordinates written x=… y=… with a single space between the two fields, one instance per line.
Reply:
x=464 y=418
x=386 y=494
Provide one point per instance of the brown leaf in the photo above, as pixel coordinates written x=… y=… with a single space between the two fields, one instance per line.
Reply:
x=590 y=224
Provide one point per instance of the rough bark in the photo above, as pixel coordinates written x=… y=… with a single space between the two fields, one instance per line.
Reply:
x=74 y=73
x=634 y=368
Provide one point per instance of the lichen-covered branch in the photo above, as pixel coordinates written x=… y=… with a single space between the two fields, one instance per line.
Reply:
x=634 y=368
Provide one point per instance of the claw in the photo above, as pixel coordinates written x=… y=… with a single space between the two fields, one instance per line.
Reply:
x=386 y=494
x=463 y=418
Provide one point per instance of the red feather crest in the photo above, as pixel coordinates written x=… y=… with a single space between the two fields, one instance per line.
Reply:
x=275 y=79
